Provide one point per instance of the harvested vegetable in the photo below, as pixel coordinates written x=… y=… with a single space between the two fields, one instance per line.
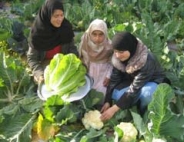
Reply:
x=92 y=119
x=65 y=74
x=129 y=132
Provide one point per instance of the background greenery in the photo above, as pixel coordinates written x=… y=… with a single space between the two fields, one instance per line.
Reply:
x=158 y=23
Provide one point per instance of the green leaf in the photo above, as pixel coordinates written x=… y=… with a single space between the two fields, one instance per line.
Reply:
x=66 y=114
x=16 y=79
x=163 y=121
x=49 y=113
x=118 y=133
x=10 y=109
x=17 y=128
x=139 y=123
x=30 y=104
x=141 y=126
x=54 y=100
x=92 y=98
x=92 y=135
x=45 y=129
x=71 y=132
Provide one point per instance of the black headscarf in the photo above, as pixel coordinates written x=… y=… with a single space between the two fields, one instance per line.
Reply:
x=125 y=41
x=44 y=36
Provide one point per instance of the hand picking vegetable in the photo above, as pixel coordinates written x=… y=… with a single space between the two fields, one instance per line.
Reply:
x=64 y=74
x=92 y=119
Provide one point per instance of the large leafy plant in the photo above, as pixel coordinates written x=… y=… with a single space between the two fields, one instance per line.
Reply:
x=18 y=102
x=162 y=121
x=157 y=22
x=14 y=77
x=162 y=118
x=60 y=117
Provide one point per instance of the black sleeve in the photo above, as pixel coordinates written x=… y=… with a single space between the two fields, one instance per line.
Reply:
x=141 y=77
x=118 y=80
x=34 y=62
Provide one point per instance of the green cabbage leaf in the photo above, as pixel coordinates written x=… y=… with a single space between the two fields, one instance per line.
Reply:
x=65 y=74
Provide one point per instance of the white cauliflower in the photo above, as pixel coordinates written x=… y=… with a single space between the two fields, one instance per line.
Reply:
x=129 y=132
x=158 y=140
x=92 y=119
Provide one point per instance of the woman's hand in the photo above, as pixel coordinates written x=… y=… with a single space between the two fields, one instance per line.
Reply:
x=109 y=113
x=106 y=82
x=105 y=107
x=39 y=79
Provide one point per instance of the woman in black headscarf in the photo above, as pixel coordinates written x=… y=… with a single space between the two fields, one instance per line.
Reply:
x=51 y=33
x=135 y=76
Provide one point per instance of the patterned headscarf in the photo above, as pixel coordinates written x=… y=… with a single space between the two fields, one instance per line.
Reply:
x=89 y=51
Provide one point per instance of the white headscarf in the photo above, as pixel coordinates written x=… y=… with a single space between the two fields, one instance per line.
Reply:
x=91 y=52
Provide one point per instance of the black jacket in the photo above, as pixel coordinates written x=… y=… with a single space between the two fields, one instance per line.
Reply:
x=151 y=71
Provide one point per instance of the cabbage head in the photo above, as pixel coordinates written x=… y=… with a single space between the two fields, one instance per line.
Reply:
x=65 y=74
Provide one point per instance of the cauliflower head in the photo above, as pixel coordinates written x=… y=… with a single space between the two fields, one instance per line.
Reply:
x=129 y=132
x=158 y=140
x=92 y=119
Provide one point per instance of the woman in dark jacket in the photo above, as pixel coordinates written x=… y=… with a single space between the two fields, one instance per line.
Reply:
x=135 y=75
x=51 y=33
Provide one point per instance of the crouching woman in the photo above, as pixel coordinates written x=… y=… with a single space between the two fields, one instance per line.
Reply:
x=135 y=76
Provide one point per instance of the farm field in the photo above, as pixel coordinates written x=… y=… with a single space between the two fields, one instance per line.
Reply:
x=24 y=117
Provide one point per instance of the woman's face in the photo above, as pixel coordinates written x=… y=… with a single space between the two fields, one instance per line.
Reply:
x=57 y=18
x=122 y=55
x=97 y=37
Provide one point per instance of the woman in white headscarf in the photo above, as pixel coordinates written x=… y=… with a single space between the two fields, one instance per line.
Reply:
x=95 y=50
